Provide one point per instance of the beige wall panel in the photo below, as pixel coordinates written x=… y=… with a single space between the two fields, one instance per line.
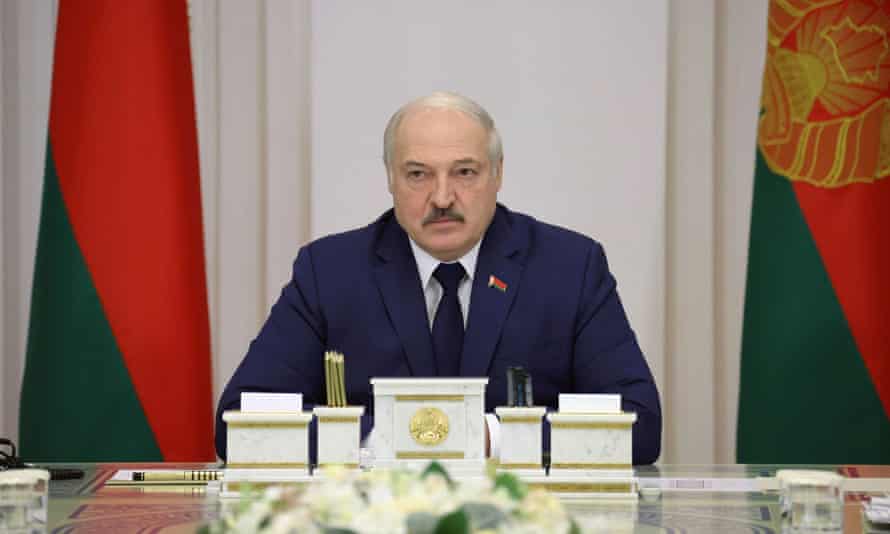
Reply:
x=689 y=393
x=287 y=111
x=741 y=51
x=242 y=180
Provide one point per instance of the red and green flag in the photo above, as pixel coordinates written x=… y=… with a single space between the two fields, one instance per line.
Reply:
x=815 y=370
x=118 y=355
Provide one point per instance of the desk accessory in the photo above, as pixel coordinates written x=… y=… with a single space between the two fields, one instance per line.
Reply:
x=417 y=420
x=521 y=450
x=266 y=447
x=339 y=425
x=591 y=451
x=162 y=477
x=519 y=387
x=10 y=460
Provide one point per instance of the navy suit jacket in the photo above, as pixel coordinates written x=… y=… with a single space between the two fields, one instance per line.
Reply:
x=359 y=293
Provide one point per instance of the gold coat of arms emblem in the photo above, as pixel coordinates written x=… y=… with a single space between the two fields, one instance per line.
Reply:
x=826 y=92
x=429 y=426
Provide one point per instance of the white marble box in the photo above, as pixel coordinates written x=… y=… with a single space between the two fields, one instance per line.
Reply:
x=267 y=440
x=521 y=447
x=421 y=419
x=339 y=435
x=591 y=444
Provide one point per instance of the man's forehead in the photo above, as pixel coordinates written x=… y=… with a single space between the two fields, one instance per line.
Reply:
x=410 y=162
x=430 y=123
x=428 y=130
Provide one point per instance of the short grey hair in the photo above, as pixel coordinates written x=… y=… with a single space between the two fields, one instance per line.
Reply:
x=445 y=100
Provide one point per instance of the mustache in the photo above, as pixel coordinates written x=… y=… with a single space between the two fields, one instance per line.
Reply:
x=442 y=214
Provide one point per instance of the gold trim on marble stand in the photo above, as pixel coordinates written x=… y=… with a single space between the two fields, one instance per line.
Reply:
x=586 y=465
x=555 y=424
x=440 y=398
x=429 y=455
x=584 y=487
x=267 y=424
x=237 y=486
x=519 y=465
x=337 y=419
x=262 y=465
x=351 y=465
x=519 y=419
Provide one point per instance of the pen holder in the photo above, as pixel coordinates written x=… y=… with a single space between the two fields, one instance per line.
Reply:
x=521 y=440
x=339 y=435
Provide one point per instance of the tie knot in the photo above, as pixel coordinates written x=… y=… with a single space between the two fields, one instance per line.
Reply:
x=449 y=275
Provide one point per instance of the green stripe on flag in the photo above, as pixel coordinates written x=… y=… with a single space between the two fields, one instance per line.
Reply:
x=806 y=395
x=78 y=402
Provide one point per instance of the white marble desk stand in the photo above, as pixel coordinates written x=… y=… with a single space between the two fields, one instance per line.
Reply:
x=339 y=436
x=591 y=455
x=521 y=441
x=417 y=420
x=265 y=448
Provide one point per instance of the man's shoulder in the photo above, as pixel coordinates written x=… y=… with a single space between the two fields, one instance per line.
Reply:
x=544 y=237
x=352 y=242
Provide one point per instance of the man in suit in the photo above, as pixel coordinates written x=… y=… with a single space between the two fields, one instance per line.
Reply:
x=451 y=283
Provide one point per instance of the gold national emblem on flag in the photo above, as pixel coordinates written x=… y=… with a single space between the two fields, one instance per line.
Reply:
x=497 y=283
x=826 y=92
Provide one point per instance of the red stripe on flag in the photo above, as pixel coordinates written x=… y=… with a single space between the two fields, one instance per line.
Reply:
x=122 y=125
x=851 y=228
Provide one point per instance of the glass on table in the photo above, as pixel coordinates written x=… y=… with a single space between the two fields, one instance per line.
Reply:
x=23 y=500
x=813 y=500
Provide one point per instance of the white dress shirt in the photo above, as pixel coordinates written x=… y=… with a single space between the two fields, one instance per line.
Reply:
x=432 y=289
x=432 y=293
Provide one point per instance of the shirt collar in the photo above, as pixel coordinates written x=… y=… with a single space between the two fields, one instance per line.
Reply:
x=426 y=263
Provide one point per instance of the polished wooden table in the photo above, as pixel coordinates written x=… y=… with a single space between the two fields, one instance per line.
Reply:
x=90 y=505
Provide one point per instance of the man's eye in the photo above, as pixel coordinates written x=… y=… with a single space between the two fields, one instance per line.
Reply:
x=415 y=175
x=466 y=171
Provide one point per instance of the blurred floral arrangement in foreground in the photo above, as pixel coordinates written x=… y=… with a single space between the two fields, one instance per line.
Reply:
x=396 y=501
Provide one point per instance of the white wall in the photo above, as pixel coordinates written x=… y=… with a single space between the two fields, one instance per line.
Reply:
x=584 y=134
x=632 y=122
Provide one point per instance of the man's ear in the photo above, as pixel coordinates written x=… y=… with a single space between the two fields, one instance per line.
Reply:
x=500 y=173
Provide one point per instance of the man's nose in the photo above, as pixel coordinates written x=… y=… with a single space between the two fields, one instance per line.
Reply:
x=443 y=194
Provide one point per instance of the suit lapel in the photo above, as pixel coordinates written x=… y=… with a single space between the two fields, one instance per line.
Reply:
x=399 y=285
x=489 y=306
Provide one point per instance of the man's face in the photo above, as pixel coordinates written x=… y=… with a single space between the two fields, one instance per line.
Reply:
x=442 y=185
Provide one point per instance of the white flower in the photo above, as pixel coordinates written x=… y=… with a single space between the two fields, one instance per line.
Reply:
x=382 y=501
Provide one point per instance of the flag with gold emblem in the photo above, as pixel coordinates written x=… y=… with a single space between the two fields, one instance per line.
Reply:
x=815 y=370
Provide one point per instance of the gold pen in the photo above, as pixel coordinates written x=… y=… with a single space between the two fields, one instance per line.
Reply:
x=341 y=375
x=327 y=378
x=178 y=476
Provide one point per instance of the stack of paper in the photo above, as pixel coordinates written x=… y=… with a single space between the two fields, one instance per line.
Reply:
x=878 y=510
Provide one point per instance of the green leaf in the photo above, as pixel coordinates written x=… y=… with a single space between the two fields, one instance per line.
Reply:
x=420 y=523
x=483 y=515
x=515 y=488
x=454 y=523
x=574 y=528
x=436 y=468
